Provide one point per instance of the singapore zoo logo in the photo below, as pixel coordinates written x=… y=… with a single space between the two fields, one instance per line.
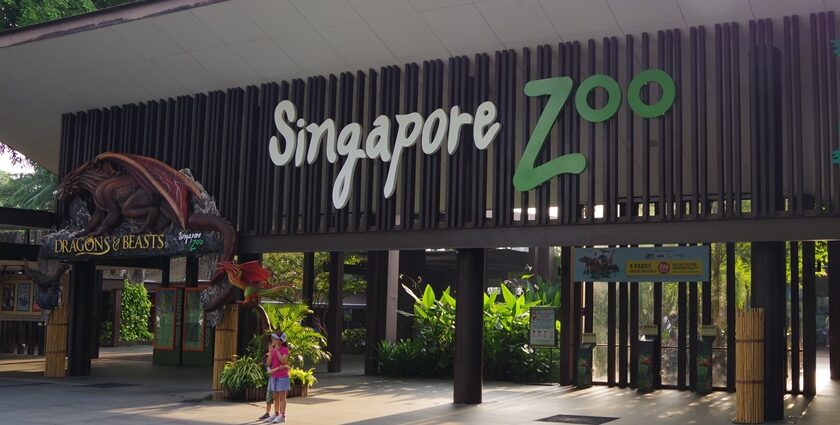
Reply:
x=439 y=128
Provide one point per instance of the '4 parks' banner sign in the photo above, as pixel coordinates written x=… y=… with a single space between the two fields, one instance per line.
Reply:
x=660 y=264
x=301 y=141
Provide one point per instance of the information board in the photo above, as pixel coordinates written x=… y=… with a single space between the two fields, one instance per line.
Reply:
x=165 y=319
x=543 y=332
x=658 y=264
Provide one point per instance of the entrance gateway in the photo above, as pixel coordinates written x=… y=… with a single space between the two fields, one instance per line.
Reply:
x=733 y=157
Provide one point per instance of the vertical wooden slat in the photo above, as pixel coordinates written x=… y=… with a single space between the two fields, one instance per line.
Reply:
x=623 y=328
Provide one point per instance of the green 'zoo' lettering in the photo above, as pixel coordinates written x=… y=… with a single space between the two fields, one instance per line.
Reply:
x=558 y=89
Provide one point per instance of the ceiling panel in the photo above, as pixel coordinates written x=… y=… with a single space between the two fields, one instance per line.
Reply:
x=579 y=16
x=407 y=36
x=187 y=31
x=187 y=72
x=516 y=20
x=375 y=9
x=229 y=22
x=310 y=51
x=327 y=13
x=265 y=57
x=459 y=27
x=421 y=5
x=274 y=17
x=15 y=68
x=226 y=66
x=768 y=8
x=150 y=41
x=640 y=13
x=50 y=92
x=700 y=12
x=357 y=44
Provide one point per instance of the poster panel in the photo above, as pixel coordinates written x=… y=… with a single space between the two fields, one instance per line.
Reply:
x=658 y=264
x=542 y=331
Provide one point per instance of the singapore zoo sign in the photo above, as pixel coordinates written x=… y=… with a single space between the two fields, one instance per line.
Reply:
x=302 y=141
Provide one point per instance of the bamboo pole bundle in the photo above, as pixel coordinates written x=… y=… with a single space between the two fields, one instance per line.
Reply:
x=749 y=370
x=55 y=362
x=225 y=346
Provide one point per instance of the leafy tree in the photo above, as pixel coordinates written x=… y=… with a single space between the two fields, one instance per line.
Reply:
x=287 y=268
x=134 y=313
x=28 y=190
x=20 y=13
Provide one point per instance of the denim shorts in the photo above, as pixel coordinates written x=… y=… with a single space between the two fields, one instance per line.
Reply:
x=279 y=384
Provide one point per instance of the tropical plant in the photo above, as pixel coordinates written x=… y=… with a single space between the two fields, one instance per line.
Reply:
x=287 y=268
x=106 y=329
x=506 y=353
x=302 y=377
x=354 y=339
x=243 y=373
x=28 y=190
x=306 y=345
x=135 y=309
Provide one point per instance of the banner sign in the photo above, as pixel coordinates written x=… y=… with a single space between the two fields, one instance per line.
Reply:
x=543 y=332
x=67 y=246
x=659 y=264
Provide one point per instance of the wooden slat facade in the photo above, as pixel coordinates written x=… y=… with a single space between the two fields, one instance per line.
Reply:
x=704 y=160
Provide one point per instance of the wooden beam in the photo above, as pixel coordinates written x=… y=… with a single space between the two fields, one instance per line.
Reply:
x=469 y=326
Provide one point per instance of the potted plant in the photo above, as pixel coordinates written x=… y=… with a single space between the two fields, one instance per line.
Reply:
x=244 y=379
x=301 y=380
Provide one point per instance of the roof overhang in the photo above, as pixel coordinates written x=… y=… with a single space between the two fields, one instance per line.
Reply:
x=161 y=49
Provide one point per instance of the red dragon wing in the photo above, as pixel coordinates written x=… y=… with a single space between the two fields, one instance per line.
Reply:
x=156 y=177
x=253 y=272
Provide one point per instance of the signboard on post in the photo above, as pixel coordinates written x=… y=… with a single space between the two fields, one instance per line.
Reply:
x=543 y=333
x=659 y=264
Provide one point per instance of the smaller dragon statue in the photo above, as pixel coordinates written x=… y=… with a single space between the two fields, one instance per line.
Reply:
x=251 y=278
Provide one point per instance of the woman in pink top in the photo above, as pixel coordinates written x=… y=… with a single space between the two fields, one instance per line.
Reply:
x=278 y=381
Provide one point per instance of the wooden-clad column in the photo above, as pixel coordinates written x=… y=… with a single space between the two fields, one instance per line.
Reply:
x=96 y=306
x=731 y=301
x=376 y=293
x=469 y=325
x=768 y=292
x=55 y=364
x=794 y=319
x=834 y=308
x=569 y=310
x=82 y=283
x=308 y=278
x=225 y=342
x=334 y=310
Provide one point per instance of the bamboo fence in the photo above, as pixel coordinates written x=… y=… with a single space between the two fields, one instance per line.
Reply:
x=749 y=369
x=225 y=346
x=55 y=364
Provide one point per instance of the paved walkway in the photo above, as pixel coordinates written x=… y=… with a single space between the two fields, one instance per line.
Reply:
x=126 y=388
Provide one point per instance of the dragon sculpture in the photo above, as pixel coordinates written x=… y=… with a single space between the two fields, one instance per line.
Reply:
x=125 y=186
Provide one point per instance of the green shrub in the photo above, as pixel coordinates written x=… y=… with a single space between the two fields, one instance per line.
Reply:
x=134 y=313
x=243 y=373
x=354 y=339
x=106 y=330
x=506 y=353
x=302 y=377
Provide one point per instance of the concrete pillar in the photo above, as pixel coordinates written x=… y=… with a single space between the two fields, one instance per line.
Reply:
x=393 y=297
x=469 y=326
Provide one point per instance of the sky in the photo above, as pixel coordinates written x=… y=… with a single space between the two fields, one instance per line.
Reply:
x=6 y=165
